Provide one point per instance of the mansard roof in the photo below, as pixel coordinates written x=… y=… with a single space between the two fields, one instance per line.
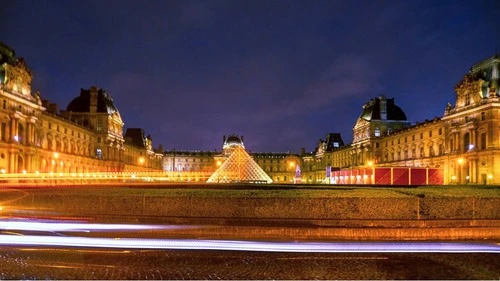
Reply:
x=136 y=137
x=488 y=70
x=82 y=102
x=372 y=110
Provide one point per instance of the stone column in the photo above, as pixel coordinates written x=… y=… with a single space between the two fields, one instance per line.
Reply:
x=12 y=166
x=13 y=128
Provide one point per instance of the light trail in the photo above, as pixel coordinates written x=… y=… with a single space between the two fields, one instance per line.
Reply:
x=33 y=225
x=295 y=247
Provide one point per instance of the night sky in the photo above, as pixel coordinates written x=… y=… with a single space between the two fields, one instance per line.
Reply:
x=281 y=73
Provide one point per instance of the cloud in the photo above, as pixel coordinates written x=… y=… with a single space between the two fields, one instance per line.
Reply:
x=347 y=76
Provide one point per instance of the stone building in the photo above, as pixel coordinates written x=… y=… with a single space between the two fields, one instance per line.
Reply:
x=465 y=142
x=35 y=137
x=279 y=166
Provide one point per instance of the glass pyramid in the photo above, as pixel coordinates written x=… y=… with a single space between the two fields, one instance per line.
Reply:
x=239 y=167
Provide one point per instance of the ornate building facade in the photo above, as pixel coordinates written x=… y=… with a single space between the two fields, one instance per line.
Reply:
x=35 y=137
x=86 y=137
x=202 y=164
x=465 y=142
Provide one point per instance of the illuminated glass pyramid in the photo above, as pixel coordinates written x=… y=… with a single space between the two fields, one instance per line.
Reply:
x=239 y=167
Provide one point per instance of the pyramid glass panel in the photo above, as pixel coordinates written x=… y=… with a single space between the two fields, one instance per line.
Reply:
x=239 y=167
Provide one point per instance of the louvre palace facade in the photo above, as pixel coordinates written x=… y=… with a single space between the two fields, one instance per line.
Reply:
x=464 y=142
x=35 y=137
x=88 y=136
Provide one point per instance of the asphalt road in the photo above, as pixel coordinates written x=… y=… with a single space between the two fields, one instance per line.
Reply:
x=77 y=263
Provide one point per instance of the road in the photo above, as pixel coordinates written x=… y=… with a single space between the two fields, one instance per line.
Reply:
x=38 y=247
x=87 y=263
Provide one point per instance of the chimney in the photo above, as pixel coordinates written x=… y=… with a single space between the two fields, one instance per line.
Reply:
x=241 y=138
x=224 y=139
x=93 y=99
x=383 y=108
x=52 y=108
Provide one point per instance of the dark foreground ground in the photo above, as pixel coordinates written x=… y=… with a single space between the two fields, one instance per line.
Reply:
x=71 y=263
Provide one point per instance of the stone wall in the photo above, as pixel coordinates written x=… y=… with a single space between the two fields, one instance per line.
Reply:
x=401 y=211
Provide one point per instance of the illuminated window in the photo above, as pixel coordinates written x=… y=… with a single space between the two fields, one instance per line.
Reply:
x=377 y=132
x=98 y=153
x=336 y=144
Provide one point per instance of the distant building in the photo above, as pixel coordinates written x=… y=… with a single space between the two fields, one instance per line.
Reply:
x=279 y=166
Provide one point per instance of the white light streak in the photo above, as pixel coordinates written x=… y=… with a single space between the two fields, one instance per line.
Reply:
x=79 y=227
x=297 y=247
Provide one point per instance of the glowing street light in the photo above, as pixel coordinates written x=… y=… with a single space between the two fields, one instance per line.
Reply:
x=141 y=160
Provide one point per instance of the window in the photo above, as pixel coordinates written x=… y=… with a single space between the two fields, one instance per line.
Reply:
x=483 y=116
x=413 y=138
x=440 y=131
x=466 y=142
x=430 y=133
x=4 y=104
x=99 y=125
x=441 y=149
x=4 y=126
x=98 y=139
x=98 y=153
x=377 y=132
x=376 y=145
x=421 y=135
x=483 y=141
x=431 y=150
x=336 y=144
x=50 y=126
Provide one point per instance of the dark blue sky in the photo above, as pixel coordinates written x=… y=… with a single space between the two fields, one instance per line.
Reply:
x=281 y=73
